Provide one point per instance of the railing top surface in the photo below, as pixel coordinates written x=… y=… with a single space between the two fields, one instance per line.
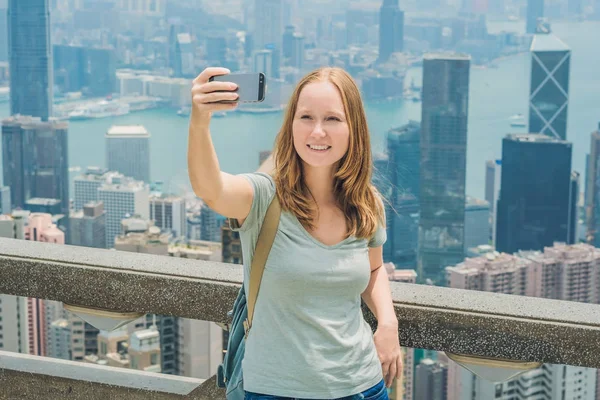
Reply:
x=448 y=299
x=437 y=318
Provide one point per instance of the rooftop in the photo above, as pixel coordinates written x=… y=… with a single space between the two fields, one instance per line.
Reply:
x=39 y=201
x=548 y=42
x=533 y=138
x=127 y=131
x=450 y=56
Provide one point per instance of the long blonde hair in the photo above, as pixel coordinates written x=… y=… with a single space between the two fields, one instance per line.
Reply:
x=358 y=198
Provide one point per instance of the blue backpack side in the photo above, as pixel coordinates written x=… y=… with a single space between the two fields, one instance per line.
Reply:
x=229 y=374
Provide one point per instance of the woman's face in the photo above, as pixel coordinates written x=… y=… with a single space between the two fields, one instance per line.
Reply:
x=320 y=121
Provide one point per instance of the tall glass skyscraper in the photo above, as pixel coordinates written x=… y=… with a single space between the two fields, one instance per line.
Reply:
x=30 y=56
x=593 y=190
x=391 y=29
x=403 y=147
x=535 y=10
x=443 y=163
x=549 y=93
x=3 y=30
x=268 y=24
x=535 y=203
x=35 y=160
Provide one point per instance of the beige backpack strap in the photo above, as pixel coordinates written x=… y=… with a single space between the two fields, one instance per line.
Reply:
x=261 y=252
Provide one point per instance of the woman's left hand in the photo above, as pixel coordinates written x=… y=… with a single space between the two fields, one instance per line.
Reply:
x=387 y=344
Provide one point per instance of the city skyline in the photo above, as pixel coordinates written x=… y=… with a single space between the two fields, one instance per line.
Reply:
x=122 y=70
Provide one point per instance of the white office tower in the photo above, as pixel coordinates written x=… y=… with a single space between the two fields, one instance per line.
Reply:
x=128 y=151
x=123 y=198
x=168 y=213
x=87 y=184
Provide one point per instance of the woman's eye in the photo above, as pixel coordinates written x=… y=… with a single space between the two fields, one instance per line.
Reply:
x=305 y=117
x=333 y=118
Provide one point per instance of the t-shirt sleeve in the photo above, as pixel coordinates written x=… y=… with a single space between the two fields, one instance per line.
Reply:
x=263 y=188
x=380 y=236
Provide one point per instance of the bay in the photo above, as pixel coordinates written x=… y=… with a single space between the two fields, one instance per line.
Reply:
x=495 y=94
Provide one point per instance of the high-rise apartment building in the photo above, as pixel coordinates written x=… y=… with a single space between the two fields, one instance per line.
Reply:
x=562 y=272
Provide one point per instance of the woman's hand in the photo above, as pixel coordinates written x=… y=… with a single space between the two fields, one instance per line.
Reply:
x=387 y=344
x=206 y=96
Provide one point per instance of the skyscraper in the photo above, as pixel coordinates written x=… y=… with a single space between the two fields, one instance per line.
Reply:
x=4 y=30
x=88 y=226
x=593 y=191
x=549 y=93
x=35 y=160
x=128 y=151
x=535 y=10
x=216 y=49
x=477 y=222
x=431 y=379
x=297 y=59
x=493 y=173
x=86 y=185
x=14 y=335
x=403 y=147
x=391 y=29
x=443 y=163
x=268 y=24
x=288 y=37
x=5 y=207
x=30 y=57
x=123 y=198
x=184 y=56
x=534 y=206
x=266 y=61
x=168 y=212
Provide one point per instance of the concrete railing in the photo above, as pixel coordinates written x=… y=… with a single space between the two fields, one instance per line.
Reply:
x=443 y=319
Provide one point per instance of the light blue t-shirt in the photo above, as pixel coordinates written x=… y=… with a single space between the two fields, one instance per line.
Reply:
x=308 y=338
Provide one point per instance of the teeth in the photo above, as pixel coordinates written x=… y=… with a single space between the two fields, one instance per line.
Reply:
x=319 y=147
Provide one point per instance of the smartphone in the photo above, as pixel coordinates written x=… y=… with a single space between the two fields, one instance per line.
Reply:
x=251 y=87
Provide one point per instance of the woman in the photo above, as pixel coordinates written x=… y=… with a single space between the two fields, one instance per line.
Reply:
x=309 y=339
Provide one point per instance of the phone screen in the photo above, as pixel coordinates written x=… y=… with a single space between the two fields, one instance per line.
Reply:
x=251 y=87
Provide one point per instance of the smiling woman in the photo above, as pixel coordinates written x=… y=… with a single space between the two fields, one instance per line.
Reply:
x=326 y=253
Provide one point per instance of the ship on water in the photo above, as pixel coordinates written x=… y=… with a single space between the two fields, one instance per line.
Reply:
x=101 y=109
x=517 y=121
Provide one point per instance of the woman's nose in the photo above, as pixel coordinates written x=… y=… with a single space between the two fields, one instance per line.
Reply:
x=318 y=130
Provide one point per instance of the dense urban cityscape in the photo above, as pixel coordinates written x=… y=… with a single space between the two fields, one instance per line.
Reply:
x=488 y=187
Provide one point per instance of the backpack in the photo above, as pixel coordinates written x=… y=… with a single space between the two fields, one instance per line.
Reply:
x=229 y=374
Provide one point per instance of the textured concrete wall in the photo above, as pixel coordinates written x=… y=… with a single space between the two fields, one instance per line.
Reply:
x=454 y=320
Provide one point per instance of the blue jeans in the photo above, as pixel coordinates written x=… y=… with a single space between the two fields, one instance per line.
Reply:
x=377 y=392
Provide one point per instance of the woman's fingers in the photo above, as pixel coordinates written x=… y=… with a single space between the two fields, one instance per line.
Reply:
x=400 y=368
x=216 y=97
x=392 y=373
x=208 y=72
x=386 y=370
x=213 y=86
